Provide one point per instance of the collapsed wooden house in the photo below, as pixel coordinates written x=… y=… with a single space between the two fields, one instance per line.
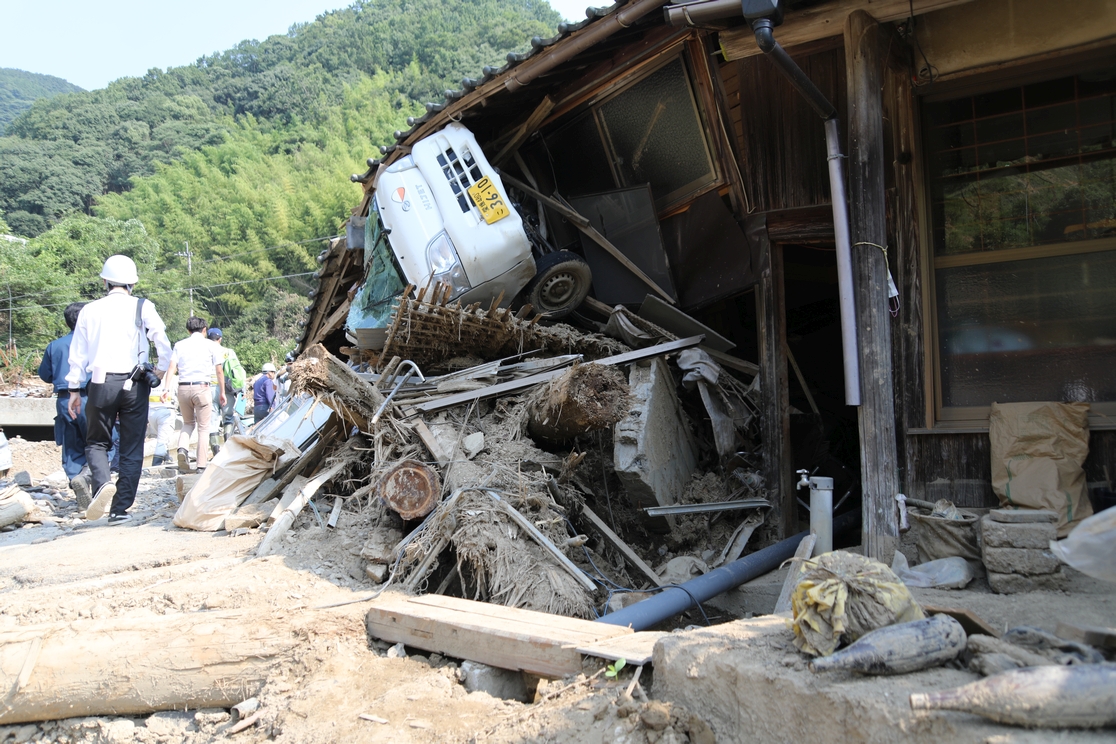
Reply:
x=980 y=138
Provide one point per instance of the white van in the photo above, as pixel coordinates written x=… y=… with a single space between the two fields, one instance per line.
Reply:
x=447 y=218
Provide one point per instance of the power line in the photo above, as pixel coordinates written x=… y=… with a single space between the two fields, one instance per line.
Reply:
x=61 y=288
x=176 y=291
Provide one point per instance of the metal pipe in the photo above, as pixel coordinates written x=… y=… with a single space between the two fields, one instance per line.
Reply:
x=849 y=353
x=574 y=45
x=821 y=513
x=674 y=600
x=704 y=11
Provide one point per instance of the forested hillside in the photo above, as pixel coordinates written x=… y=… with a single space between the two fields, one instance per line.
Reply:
x=19 y=89
x=243 y=156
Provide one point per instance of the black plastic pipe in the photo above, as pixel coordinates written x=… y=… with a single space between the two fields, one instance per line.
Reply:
x=675 y=600
x=765 y=38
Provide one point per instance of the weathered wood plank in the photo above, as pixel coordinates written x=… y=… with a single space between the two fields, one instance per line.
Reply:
x=629 y=555
x=805 y=549
x=824 y=20
x=504 y=637
x=771 y=322
x=868 y=230
x=636 y=649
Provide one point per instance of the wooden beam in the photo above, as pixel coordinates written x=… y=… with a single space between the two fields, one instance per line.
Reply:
x=581 y=223
x=868 y=231
x=804 y=551
x=825 y=20
x=775 y=399
x=525 y=130
x=629 y=555
x=525 y=382
x=505 y=637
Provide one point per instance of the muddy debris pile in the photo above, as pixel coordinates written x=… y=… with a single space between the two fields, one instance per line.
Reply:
x=489 y=455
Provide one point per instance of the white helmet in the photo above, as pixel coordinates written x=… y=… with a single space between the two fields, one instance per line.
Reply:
x=269 y=367
x=119 y=270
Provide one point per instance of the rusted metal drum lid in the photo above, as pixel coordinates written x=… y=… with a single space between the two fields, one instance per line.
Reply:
x=411 y=489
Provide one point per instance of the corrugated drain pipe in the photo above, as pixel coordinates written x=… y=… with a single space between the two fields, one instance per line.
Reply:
x=674 y=600
x=700 y=12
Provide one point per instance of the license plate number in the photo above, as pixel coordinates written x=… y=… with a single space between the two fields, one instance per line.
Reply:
x=488 y=200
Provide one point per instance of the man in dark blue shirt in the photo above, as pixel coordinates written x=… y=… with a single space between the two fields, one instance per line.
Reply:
x=69 y=433
x=263 y=393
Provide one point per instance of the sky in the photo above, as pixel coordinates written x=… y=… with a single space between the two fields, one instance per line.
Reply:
x=91 y=43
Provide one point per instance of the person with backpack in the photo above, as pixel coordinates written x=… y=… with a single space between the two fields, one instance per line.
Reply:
x=235 y=380
x=109 y=349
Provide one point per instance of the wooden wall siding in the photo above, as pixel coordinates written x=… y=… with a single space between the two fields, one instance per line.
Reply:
x=958 y=467
x=782 y=139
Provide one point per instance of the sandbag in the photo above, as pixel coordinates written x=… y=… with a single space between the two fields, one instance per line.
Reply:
x=1038 y=450
x=229 y=479
x=842 y=596
x=939 y=537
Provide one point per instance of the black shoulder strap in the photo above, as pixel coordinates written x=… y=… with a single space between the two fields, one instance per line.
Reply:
x=141 y=341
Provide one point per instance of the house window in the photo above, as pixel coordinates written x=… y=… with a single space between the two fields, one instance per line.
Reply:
x=649 y=132
x=1023 y=206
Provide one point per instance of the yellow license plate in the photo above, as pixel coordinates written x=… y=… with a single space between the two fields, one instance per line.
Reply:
x=488 y=200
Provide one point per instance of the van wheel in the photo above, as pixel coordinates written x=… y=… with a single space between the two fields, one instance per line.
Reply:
x=561 y=283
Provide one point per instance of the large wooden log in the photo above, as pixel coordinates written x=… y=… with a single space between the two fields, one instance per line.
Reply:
x=586 y=397
x=319 y=372
x=136 y=666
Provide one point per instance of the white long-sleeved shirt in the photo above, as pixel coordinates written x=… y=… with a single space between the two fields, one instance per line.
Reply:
x=197 y=358
x=106 y=337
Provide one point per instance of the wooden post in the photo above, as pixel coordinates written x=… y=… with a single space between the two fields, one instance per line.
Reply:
x=868 y=228
x=771 y=322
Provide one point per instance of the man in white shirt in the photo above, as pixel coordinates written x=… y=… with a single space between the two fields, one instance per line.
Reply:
x=110 y=340
x=196 y=360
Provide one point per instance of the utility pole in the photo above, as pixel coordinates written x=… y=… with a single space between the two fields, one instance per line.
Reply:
x=189 y=273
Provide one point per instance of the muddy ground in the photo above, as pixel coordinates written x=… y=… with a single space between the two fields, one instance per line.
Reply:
x=340 y=686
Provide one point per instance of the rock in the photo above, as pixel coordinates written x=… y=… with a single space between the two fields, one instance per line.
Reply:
x=24 y=733
x=700 y=733
x=681 y=569
x=473 y=444
x=376 y=571
x=655 y=715
x=620 y=600
x=381 y=545
x=398 y=651
x=22 y=478
x=57 y=480
x=1020 y=561
x=500 y=683
x=252 y=515
x=1022 y=516
x=169 y=724
x=120 y=731
x=1035 y=535
x=1010 y=583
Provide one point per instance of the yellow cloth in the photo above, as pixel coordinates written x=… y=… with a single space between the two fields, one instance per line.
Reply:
x=842 y=596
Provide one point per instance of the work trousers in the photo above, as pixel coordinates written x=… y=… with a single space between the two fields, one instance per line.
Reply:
x=106 y=402
x=259 y=413
x=162 y=419
x=196 y=406
x=222 y=415
x=70 y=434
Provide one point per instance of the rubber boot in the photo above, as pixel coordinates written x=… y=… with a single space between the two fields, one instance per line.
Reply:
x=214 y=443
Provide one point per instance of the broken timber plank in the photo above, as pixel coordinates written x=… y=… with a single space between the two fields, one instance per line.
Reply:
x=636 y=649
x=805 y=548
x=499 y=636
x=629 y=555
x=525 y=130
x=972 y=623
x=1094 y=636
x=289 y=513
x=581 y=223
x=525 y=382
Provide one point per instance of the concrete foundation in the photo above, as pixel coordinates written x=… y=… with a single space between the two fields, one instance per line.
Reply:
x=751 y=685
x=27 y=411
x=653 y=447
